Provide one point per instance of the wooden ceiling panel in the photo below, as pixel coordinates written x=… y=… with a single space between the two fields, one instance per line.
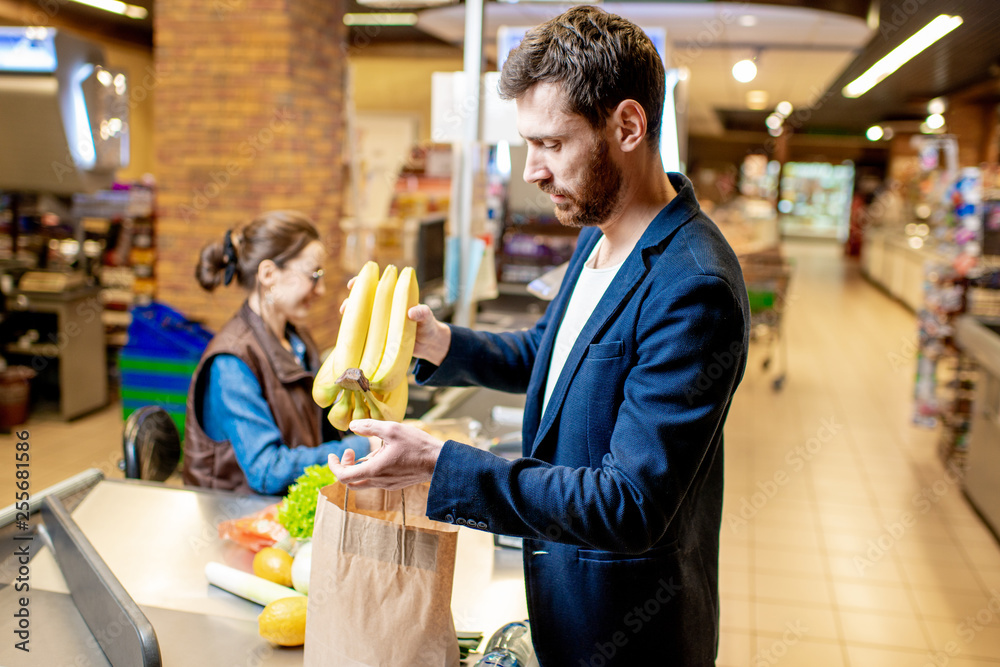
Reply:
x=969 y=54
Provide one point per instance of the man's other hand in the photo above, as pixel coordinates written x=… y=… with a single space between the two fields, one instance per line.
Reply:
x=433 y=337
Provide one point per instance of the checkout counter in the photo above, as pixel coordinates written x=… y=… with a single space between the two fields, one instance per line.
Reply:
x=156 y=540
x=980 y=339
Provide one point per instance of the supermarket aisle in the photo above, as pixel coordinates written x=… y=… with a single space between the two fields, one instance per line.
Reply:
x=845 y=542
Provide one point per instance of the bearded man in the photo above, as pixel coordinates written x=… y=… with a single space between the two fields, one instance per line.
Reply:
x=629 y=374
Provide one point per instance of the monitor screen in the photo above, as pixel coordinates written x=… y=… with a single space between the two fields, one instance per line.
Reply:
x=27 y=50
x=430 y=252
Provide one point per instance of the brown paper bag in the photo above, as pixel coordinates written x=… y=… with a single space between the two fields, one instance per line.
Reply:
x=380 y=591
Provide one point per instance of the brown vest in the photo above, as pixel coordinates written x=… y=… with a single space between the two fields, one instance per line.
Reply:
x=286 y=386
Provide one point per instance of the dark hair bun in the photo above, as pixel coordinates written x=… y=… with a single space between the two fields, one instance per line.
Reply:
x=211 y=266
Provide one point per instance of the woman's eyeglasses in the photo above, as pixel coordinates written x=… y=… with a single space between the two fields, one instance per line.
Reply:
x=313 y=276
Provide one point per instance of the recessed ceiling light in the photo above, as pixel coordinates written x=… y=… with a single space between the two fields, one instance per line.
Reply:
x=774 y=121
x=747 y=20
x=785 y=108
x=744 y=71
x=937 y=105
x=935 y=121
x=875 y=133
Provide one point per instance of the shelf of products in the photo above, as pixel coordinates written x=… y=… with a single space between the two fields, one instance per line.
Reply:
x=530 y=240
x=948 y=205
x=122 y=221
x=957 y=380
x=59 y=337
x=530 y=247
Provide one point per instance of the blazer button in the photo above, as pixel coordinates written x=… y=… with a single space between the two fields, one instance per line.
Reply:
x=481 y=525
x=449 y=518
x=460 y=521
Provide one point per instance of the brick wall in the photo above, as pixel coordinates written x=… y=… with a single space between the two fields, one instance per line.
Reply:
x=249 y=117
x=970 y=122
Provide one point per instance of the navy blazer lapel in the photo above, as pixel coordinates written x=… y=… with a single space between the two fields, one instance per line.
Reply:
x=540 y=369
x=628 y=278
x=681 y=209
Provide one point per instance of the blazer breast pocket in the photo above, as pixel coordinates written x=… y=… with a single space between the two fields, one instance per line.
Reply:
x=608 y=350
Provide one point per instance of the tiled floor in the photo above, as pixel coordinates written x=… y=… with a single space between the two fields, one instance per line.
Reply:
x=845 y=543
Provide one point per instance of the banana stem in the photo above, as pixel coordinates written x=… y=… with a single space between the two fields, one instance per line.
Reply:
x=354 y=379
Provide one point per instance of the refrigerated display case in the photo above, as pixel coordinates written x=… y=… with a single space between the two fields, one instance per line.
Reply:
x=815 y=199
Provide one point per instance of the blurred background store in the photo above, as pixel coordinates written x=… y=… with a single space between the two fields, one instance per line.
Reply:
x=848 y=149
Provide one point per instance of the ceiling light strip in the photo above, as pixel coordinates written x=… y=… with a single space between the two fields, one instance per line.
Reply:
x=116 y=7
x=900 y=55
x=380 y=18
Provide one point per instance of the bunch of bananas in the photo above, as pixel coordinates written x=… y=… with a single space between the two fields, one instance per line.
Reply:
x=365 y=374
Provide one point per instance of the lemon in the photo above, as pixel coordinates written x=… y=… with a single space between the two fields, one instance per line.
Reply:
x=283 y=621
x=274 y=565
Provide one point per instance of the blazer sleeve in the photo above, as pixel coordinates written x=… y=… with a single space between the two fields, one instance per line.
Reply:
x=501 y=361
x=674 y=403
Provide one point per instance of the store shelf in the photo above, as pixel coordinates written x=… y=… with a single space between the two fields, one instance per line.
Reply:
x=513 y=289
x=530 y=249
x=47 y=350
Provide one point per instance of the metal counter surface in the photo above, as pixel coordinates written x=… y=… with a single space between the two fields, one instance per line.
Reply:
x=157 y=540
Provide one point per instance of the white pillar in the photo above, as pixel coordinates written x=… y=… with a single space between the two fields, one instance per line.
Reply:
x=469 y=149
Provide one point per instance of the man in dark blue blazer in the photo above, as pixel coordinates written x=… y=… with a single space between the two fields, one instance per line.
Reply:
x=629 y=375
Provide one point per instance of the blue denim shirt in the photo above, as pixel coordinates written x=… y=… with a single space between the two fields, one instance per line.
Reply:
x=235 y=410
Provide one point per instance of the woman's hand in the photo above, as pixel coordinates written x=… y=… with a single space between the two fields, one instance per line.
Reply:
x=433 y=337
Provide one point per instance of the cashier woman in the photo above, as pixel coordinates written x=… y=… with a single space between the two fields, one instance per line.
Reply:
x=251 y=422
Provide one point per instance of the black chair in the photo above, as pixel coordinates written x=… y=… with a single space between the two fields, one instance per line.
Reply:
x=151 y=444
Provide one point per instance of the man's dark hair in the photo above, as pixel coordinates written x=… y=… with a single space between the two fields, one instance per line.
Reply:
x=599 y=59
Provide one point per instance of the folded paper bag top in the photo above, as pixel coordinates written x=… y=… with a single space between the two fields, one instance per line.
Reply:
x=380 y=591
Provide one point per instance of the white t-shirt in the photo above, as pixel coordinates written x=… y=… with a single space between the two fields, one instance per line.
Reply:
x=590 y=287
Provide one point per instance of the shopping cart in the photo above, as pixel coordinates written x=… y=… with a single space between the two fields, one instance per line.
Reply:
x=766 y=274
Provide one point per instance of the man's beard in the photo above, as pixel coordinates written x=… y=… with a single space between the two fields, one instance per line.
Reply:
x=597 y=195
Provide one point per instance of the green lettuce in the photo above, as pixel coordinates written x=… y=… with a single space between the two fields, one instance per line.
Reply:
x=297 y=512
